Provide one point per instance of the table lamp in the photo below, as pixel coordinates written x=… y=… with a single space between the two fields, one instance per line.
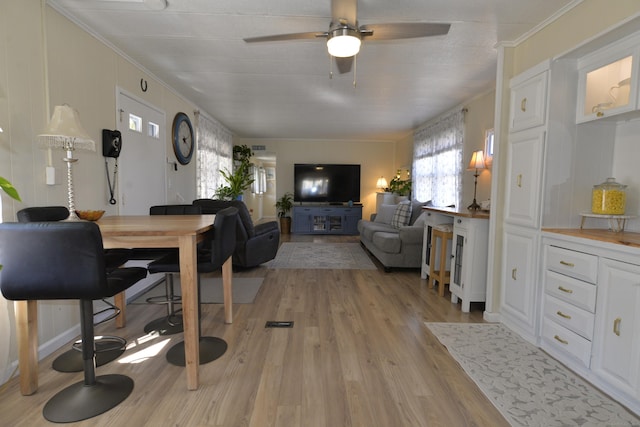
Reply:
x=477 y=163
x=64 y=131
x=381 y=183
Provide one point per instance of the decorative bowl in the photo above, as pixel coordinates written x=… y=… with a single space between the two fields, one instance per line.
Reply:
x=90 y=215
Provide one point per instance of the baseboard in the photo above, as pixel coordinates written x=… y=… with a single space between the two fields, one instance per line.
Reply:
x=60 y=340
x=491 y=317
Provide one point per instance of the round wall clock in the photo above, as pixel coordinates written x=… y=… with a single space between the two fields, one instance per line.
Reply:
x=183 y=142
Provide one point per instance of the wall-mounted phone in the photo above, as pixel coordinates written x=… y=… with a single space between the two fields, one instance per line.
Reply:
x=111 y=147
x=111 y=143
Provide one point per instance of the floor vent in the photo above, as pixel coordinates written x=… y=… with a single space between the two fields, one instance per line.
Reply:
x=279 y=324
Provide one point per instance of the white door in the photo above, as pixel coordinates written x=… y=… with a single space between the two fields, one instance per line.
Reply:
x=142 y=162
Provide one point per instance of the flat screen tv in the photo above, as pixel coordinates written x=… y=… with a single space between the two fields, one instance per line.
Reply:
x=330 y=183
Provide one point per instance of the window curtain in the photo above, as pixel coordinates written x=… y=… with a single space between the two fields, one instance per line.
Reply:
x=259 y=185
x=215 y=147
x=437 y=160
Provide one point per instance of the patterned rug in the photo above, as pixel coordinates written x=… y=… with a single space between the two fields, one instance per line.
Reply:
x=334 y=256
x=526 y=385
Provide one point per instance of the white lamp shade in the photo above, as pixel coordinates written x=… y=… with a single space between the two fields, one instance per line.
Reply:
x=65 y=131
x=477 y=161
x=382 y=183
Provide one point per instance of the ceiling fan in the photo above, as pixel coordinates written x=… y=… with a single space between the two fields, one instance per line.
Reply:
x=345 y=36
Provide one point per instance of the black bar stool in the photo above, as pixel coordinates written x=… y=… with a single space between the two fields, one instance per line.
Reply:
x=220 y=249
x=65 y=260
x=108 y=347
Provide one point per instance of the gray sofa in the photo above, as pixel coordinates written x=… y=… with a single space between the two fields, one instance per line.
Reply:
x=394 y=246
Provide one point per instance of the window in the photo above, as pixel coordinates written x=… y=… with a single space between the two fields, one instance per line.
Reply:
x=437 y=161
x=259 y=185
x=215 y=146
x=135 y=123
x=153 y=130
x=489 y=137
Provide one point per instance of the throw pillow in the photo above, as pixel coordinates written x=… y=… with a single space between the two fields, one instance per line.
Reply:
x=416 y=210
x=386 y=214
x=402 y=215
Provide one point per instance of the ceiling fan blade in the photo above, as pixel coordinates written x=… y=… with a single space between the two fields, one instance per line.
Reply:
x=344 y=10
x=344 y=64
x=285 y=37
x=405 y=30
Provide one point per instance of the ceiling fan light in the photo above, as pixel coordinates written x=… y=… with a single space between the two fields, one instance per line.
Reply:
x=343 y=42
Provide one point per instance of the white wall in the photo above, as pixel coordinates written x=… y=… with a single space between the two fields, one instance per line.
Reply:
x=84 y=73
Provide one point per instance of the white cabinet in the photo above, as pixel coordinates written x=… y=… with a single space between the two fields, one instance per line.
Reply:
x=469 y=261
x=522 y=205
x=608 y=82
x=524 y=178
x=431 y=219
x=519 y=290
x=591 y=310
x=616 y=357
x=569 y=303
x=528 y=101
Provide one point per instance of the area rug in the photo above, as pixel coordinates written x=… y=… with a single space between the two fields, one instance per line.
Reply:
x=334 y=256
x=529 y=387
x=244 y=290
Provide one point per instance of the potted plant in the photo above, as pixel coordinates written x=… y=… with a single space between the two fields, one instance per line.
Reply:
x=399 y=186
x=240 y=179
x=241 y=153
x=237 y=182
x=283 y=206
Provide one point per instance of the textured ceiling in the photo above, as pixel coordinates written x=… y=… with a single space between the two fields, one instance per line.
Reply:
x=284 y=89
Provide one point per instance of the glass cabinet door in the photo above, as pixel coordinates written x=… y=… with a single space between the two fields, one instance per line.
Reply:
x=607 y=86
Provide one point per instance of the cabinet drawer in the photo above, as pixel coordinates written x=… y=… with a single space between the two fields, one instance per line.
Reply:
x=578 y=320
x=562 y=339
x=580 y=265
x=576 y=292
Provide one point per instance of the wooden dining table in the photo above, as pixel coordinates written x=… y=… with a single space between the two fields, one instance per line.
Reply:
x=144 y=231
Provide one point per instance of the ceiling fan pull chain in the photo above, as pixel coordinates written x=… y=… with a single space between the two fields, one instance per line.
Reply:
x=330 y=67
x=355 y=68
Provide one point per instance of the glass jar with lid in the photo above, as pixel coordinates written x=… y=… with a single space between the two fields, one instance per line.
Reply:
x=609 y=198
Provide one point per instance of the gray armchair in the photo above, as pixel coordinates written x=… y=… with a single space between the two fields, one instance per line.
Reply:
x=254 y=244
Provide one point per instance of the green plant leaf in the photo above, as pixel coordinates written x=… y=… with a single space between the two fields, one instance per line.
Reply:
x=8 y=188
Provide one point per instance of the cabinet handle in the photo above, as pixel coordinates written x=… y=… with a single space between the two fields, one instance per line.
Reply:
x=523 y=105
x=519 y=180
x=616 y=326
x=561 y=314
x=600 y=114
x=557 y=338
x=562 y=289
x=567 y=264
x=514 y=273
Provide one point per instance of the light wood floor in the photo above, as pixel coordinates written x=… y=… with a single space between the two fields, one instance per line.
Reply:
x=358 y=355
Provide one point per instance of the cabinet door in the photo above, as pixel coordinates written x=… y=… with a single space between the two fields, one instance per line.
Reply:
x=431 y=219
x=524 y=178
x=301 y=220
x=519 y=296
x=616 y=343
x=607 y=83
x=458 y=270
x=528 y=103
